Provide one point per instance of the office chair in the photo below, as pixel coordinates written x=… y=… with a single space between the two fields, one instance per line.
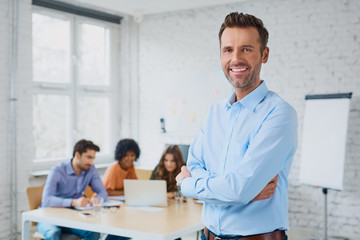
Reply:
x=33 y=195
x=143 y=174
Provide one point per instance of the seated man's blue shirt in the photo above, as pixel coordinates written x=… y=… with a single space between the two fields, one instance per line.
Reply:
x=63 y=185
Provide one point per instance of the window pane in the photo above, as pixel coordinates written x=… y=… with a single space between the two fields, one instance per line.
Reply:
x=51 y=49
x=93 y=55
x=50 y=117
x=93 y=121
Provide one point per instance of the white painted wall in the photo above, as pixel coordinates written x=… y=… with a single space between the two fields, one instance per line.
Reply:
x=314 y=48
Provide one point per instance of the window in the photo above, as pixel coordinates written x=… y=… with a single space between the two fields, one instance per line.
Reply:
x=73 y=85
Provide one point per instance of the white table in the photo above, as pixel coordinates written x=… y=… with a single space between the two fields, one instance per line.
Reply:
x=169 y=223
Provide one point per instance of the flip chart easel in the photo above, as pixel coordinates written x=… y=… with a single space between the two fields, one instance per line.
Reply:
x=324 y=143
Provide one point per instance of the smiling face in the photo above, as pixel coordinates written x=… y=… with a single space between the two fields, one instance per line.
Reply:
x=128 y=160
x=169 y=162
x=241 y=58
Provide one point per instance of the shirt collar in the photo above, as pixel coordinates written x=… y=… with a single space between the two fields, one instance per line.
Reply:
x=252 y=99
x=231 y=101
x=68 y=168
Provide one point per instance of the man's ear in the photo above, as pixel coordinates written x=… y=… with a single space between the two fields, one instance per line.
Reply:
x=265 y=55
x=77 y=155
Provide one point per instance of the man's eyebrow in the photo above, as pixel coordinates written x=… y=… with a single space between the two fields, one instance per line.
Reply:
x=224 y=48
x=247 y=46
x=243 y=46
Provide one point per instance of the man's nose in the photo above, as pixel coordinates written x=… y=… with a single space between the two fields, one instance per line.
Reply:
x=237 y=55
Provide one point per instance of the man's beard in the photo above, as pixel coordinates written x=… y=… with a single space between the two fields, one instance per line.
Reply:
x=85 y=167
x=249 y=80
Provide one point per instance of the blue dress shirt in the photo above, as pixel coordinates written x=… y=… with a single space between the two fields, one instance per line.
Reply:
x=63 y=185
x=241 y=147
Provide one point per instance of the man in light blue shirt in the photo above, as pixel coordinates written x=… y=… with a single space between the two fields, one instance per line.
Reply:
x=244 y=143
x=65 y=187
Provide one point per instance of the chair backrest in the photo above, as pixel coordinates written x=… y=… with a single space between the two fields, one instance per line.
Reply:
x=89 y=192
x=143 y=174
x=34 y=195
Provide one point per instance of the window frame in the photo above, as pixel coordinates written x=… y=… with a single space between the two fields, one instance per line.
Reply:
x=74 y=90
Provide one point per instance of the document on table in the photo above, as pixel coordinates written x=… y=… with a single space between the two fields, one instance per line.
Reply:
x=106 y=204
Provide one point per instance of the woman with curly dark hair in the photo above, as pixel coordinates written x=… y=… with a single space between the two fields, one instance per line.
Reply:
x=169 y=166
x=127 y=151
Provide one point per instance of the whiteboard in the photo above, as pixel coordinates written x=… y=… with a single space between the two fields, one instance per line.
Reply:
x=324 y=140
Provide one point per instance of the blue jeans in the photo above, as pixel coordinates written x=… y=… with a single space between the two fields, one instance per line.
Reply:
x=52 y=232
x=112 y=237
x=203 y=237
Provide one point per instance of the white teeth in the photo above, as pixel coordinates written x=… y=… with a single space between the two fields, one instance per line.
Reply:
x=238 y=69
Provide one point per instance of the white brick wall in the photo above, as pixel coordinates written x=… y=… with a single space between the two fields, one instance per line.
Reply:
x=24 y=108
x=314 y=48
x=4 y=93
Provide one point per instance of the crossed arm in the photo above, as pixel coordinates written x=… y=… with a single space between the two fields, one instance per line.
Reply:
x=269 y=154
x=266 y=193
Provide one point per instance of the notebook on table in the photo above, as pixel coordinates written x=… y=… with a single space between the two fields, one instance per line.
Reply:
x=107 y=204
x=145 y=193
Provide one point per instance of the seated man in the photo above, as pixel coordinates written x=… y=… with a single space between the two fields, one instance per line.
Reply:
x=65 y=187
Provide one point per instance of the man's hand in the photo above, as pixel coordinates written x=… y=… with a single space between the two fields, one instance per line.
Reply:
x=94 y=199
x=183 y=174
x=80 y=202
x=268 y=190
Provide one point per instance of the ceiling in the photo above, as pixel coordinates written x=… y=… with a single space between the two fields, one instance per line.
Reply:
x=144 y=7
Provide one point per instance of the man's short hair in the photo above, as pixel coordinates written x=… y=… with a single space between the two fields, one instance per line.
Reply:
x=83 y=145
x=241 y=20
x=124 y=146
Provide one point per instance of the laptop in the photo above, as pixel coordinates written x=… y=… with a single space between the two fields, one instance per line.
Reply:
x=145 y=193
